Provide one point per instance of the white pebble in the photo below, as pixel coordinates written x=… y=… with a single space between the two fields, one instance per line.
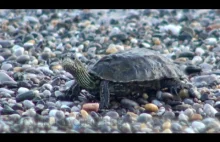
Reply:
x=53 y=112
x=22 y=90
x=209 y=110
x=183 y=117
x=196 y=60
x=189 y=130
x=199 y=51
x=175 y=29
x=210 y=41
x=198 y=126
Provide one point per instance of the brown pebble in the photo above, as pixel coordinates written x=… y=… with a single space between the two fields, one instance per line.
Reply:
x=91 y=106
x=111 y=49
x=184 y=93
x=166 y=125
x=167 y=131
x=18 y=69
x=196 y=117
x=31 y=41
x=84 y=114
x=132 y=114
x=151 y=107
x=57 y=67
x=156 y=41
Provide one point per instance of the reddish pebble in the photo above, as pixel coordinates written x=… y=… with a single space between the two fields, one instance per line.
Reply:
x=91 y=107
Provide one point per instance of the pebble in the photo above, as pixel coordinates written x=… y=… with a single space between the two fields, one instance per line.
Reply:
x=198 y=126
x=28 y=104
x=112 y=114
x=189 y=130
x=209 y=110
x=151 y=107
x=91 y=107
x=168 y=115
x=22 y=90
x=183 y=117
x=196 y=117
x=126 y=128
x=84 y=114
x=166 y=125
x=144 y=118
x=176 y=127
x=47 y=93
x=5 y=77
x=29 y=95
x=6 y=67
x=167 y=131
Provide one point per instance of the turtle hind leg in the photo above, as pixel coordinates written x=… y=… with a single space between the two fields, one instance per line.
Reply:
x=104 y=94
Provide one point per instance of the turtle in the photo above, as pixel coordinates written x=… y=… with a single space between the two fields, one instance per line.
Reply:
x=126 y=72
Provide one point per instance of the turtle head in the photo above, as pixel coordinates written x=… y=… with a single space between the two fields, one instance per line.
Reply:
x=78 y=70
x=71 y=65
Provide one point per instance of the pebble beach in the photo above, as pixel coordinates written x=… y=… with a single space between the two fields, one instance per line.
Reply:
x=33 y=43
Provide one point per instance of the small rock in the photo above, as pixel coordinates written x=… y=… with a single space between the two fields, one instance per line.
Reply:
x=183 y=117
x=91 y=106
x=29 y=95
x=112 y=114
x=53 y=112
x=209 y=110
x=189 y=130
x=151 y=107
x=144 y=118
x=166 y=125
x=176 y=127
x=23 y=59
x=198 y=126
x=6 y=67
x=184 y=93
x=59 y=115
x=84 y=114
x=126 y=128
x=5 y=77
x=47 y=93
x=111 y=49
x=196 y=117
x=28 y=104
x=167 y=131
x=22 y=90
x=168 y=115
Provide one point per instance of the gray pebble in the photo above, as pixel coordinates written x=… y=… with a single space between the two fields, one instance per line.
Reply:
x=52 y=113
x=168 y=115
x=47 y=87
x=29 y=95
x=6 y=66
x=183 y=117
x=176 y=127
x=59 y=115
x=23 y=59
x=126 y=128
x=5 y=77
x=112 y=114
x=28 y=104
x=144 y=118
x=47 y=93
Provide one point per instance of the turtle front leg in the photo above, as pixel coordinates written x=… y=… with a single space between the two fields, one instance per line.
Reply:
x=72 y=93
x=104 y=94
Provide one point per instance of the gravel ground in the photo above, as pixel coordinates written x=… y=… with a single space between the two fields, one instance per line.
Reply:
x=32 y=79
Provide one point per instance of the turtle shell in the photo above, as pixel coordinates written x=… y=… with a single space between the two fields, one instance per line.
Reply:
x=137 y=64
